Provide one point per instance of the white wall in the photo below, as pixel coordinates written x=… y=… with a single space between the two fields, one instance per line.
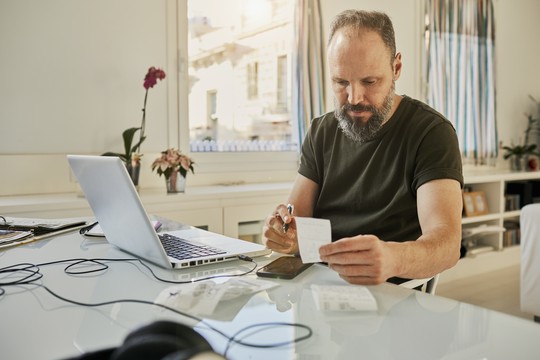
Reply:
x=62 y=92
x=72 y=80
x=517 y=61
x=72 y=74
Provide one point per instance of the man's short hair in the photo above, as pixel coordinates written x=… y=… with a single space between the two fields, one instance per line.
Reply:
x=366 y=20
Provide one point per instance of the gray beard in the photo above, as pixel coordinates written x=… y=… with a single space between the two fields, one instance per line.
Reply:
x=355 y=129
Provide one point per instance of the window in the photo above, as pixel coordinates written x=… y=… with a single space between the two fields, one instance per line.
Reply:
x=235 y=78
x=460 y=38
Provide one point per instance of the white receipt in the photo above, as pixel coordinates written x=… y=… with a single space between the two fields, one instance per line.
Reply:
x=312 y=234
x=202 y=298
x=343 y=298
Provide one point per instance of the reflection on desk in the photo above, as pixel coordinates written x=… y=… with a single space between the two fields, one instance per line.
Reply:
x=407 y=324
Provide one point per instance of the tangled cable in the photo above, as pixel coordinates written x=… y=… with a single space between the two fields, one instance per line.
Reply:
x=27 y=273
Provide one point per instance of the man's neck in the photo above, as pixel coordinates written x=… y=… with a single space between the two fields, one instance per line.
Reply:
x=395 y=104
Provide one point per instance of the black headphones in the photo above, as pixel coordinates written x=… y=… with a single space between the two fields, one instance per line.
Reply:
x=161 y=340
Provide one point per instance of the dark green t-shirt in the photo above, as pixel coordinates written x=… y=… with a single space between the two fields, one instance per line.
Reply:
x=370 y=188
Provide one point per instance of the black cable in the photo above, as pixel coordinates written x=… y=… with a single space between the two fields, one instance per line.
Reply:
x=87 y=228
x=99 y=261
x=101 y=267
x=30 y=273
x=246 y=258
x=34 y=274
x=200 y=320
x=233 y=339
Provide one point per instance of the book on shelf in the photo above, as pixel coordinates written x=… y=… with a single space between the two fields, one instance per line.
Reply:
x=511 y=202
x=512 y=235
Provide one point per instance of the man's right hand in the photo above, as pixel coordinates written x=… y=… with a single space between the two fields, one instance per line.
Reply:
x=275 y=236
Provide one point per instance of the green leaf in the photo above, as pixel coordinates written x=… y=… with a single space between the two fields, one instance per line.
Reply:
x=136 y=146
x=121 y=156
x=128 y=135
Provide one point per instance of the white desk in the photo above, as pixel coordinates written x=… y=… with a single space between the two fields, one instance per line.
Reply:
x=408 y=324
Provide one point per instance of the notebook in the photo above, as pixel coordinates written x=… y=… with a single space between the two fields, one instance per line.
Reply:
x=125 y=223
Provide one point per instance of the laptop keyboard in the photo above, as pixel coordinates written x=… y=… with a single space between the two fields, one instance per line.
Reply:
x=182 y=249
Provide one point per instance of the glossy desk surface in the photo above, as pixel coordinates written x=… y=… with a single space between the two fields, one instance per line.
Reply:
x=407 y=325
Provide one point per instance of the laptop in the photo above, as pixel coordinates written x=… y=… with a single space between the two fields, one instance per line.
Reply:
x=125 y=223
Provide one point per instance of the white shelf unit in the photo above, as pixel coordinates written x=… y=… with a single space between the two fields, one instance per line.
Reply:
x=493 y=184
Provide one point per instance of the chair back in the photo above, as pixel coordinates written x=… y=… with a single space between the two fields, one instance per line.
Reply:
x=530 y=259
x=428 y=284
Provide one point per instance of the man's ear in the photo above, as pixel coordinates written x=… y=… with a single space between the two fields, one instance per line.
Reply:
x=397 y=66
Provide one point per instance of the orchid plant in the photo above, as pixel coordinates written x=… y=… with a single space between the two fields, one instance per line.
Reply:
x=172 y=161
x=132 y=151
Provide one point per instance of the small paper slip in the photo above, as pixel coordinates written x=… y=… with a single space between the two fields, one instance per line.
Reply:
x=312 y=234
x=343 y=298
x=203 y=298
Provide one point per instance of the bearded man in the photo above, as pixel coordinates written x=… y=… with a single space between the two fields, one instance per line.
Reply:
x=385 y=169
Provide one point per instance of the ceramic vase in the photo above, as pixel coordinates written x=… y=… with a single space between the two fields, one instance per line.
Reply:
x=134 y=169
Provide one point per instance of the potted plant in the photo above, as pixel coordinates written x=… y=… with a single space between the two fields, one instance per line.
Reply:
x=132 y=152
x=174 y=166
x=519 y=154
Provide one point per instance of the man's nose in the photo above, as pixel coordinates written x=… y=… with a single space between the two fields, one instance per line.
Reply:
x=355 y=94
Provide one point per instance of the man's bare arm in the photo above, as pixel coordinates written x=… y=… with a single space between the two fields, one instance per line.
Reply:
x=440 y=206
x=366 y=259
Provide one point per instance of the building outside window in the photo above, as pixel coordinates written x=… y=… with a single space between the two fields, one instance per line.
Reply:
x=239 y=76
x=252 y=81
x=282 y=98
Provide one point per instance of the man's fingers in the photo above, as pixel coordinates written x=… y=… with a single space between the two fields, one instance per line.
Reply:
x=283 y=213
x=361 y=258
x=277 y=242
x=357 y=243
x=275 y=237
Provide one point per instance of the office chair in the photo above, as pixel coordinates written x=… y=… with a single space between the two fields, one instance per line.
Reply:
x=530 y=260
x=428 y=284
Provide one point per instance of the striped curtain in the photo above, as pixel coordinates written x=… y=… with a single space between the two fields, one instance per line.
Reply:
x=460 y=53
x=308 y=67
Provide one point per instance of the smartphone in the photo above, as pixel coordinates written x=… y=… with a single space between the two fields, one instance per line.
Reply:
x=285 y=267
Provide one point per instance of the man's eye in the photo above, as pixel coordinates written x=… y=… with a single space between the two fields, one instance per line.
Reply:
x=369 y=82
x=342 y=82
